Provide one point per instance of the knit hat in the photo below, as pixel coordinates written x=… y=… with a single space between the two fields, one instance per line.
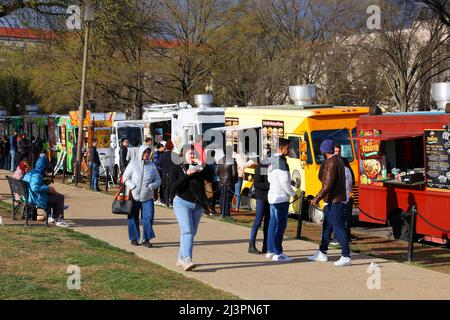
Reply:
x=327 y=146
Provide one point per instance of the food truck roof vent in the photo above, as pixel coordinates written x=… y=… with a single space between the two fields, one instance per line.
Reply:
x=32 y=109
x=204 y=100
x=303 y=95
x=440 y=92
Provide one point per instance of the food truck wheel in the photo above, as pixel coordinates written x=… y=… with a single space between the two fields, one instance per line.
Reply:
x=316 y=215
x=400 y=222
x=252 y=204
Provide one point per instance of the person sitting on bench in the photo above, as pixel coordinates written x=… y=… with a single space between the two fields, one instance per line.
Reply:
x=44 y=196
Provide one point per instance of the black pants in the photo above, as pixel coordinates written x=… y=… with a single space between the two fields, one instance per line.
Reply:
x=55 y=205
x=165 y=190
x=226 y=198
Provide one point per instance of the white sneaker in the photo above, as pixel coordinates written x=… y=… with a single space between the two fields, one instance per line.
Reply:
x=270 y=255
x=281 y=258
x=334 y=243
x=51 y=220
x=343 y=261
x=180 y=262
x=61 y=223
x=319 y=256
x=188 y=264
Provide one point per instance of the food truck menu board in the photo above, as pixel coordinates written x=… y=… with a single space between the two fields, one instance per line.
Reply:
x=273 y=130
x=231 y=136
x=437 y=157
x=372 y=162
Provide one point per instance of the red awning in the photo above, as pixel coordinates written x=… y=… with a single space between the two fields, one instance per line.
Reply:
x=385 y=136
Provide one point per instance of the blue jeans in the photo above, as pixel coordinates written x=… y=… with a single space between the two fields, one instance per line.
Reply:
x=148 y=213
x=277 y=226
x=335 y=222
x=262 y=212
x=95 y=175
x=13 y=160
x=188 y=215
x=237 y=192
x=226 y=198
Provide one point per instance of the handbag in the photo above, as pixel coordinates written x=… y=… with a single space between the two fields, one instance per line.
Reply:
x=122 y=203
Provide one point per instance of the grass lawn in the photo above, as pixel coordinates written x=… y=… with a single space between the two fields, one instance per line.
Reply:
x=34 y=261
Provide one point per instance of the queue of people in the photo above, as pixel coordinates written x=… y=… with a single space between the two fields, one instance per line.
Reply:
x=150 y=174
x=17 y=147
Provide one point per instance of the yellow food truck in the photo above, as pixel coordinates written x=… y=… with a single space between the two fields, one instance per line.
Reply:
x=305 y=125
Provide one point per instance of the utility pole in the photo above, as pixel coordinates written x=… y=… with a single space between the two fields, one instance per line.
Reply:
x=88 y=19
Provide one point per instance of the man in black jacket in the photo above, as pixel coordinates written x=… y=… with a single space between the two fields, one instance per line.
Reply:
x=228 y=176
x=262 y=186
x=166 y=164
x=94 y=160
x=123 y=152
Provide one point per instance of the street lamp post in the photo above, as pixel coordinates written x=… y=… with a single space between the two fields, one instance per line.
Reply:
x=88 y=18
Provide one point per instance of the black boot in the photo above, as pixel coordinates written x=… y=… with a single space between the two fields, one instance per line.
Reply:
x=252 y=249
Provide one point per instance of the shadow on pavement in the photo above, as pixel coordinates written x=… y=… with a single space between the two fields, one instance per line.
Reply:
x=110 y=222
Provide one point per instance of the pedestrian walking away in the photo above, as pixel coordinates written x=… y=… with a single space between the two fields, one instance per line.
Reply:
x=166 y=166
x=142 y=178
x=94 y=161
x=280 y=192
x=228 y=176
x=334 y=195
x=262 y=186
x=188 y=188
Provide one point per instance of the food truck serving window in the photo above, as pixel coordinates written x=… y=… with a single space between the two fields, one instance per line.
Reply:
x=133 y=134
x=340 y=137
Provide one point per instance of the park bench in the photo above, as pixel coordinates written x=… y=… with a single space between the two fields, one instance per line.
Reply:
x=20 y=188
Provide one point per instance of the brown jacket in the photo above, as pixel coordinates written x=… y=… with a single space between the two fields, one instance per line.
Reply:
x=332 y=176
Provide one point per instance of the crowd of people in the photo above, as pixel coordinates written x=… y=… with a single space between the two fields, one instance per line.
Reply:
x=193 y=187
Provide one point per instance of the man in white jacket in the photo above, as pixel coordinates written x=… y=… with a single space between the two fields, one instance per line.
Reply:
x=280 y=193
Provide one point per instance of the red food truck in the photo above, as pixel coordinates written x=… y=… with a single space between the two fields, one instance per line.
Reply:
x=404 y=160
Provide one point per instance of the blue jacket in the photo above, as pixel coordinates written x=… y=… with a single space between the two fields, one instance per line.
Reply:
x=37 y=190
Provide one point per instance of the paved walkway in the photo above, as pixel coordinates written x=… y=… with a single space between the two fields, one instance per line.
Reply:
x=221 y=252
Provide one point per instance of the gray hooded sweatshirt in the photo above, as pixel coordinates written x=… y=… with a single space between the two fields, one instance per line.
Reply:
x=142 y=177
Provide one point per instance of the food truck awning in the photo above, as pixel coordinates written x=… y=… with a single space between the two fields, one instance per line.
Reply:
x=386 y=136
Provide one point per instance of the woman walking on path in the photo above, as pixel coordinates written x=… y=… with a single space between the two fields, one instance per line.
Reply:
x=262 y=186
x=187 y=182
x=142 y=178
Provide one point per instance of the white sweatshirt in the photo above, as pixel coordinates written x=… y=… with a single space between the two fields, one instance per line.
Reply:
x=280 y=181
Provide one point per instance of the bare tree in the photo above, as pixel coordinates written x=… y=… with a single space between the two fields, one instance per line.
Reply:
x=441 y=7
x=409 y=52
x=192 y=27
